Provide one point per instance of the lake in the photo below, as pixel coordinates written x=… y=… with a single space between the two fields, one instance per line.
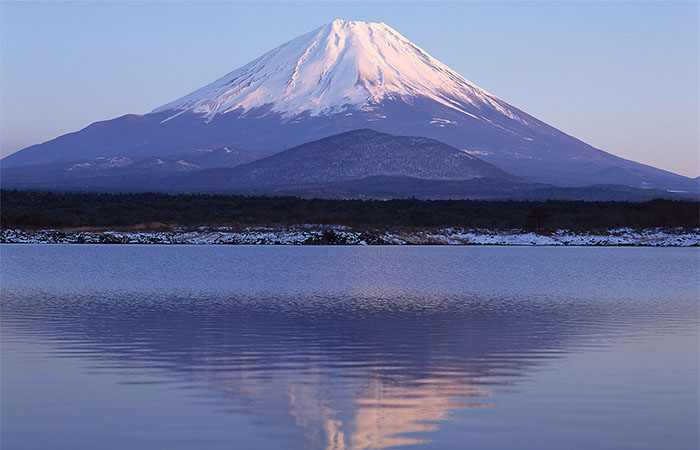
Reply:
x=261 y=347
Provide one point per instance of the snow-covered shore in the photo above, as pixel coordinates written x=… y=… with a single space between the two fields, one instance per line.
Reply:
x=327 y=235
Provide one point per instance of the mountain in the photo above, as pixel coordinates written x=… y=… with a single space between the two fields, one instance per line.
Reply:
x=367 y=164
x=353 y=155
x=115 y=170
x=341 y=77
x=361 y=164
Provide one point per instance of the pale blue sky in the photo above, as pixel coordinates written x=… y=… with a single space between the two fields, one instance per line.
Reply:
x=623 y=77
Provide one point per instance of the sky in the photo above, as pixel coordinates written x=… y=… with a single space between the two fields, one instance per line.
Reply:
x=621 y=76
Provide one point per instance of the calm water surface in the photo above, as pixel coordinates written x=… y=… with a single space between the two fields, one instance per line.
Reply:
x=207 y=347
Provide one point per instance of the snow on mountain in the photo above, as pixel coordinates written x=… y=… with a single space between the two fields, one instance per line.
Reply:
x=341 y=65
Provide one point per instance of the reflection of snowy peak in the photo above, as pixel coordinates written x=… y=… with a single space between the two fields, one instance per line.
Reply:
x=339 y=65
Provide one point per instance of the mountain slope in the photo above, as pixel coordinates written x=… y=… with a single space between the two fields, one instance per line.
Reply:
x=113 y=169
x=345 y=76
x=362 y=164
x=351 y=156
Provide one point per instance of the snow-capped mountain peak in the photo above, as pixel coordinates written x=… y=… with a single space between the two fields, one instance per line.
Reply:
x=342 y=77
x=341 y=65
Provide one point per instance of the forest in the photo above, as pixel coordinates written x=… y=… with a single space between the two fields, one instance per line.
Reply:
x=30 y=210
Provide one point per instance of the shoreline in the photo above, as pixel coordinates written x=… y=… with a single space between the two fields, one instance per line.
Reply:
x=341 y=235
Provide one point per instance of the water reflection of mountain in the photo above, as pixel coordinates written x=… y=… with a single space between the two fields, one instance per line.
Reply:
x=351 y=372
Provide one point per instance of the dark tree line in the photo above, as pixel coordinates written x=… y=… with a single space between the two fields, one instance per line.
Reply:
x=31 y=210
